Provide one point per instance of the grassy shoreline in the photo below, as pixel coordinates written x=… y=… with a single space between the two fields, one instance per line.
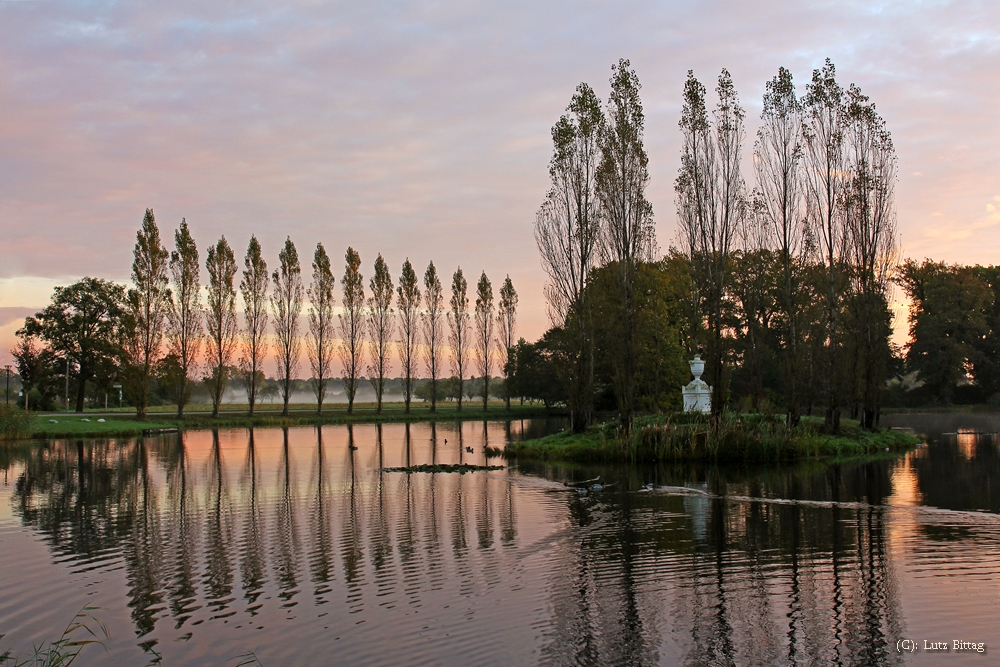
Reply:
x=85 y=425
x=739 y=438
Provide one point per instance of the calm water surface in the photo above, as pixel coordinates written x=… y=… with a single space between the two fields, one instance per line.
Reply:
x=200 y=547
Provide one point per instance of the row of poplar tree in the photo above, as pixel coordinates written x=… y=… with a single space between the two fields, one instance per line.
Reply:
x=97 y=324
x=813 y=234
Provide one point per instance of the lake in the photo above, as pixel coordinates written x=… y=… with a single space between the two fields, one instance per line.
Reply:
x=294 y=544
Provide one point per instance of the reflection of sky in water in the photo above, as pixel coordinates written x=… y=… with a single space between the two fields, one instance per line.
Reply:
x=301 y=550
x=967 y=441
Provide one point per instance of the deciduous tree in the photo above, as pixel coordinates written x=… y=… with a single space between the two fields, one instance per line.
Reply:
x=27 y=357
x=458 y=321
x=825 y=184
x=433 y=327
x=220 y=318
x=148 y=307
x=712 y=205
x=321 y=329
x=871 y=248
x=352 y=324
x=948 y=322
x=83 y=325
x=380 y=327
x=408 y=305
x=253 y=287
x=506 y=326
x=780 y=204
x=286 y=305
x=484 y=333
x=184 y=316
x=628 y=236
x=566 y=232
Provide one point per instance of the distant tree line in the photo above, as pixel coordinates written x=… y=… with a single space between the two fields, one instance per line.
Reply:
x=782 y=282
x=954 y=350
x=157 y=341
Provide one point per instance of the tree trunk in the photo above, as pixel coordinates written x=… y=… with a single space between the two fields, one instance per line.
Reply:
x=81 y=390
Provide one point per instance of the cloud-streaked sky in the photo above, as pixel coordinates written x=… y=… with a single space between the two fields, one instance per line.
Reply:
x=421 y=130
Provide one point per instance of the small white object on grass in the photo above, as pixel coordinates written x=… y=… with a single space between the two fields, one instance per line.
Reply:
x=85 y=420
x=53 y=421
x=100 y=421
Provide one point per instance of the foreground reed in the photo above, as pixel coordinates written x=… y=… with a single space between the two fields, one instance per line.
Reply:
x=82 y=631
x=14 y=422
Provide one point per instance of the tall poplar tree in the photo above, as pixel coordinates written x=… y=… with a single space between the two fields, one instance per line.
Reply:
x=712 y=206
x=380 y=328
x=566 y=232
x=352 y=324
x=184 y=316
x=780 y=200
x=220 y=318
x=408 y=304
x=148 y=303
x=506 y=326
x=253 y=288
x=826 y=182
x=484 y=333
x=628 y=235
x=433 y=327
x=458 y=321
x=321 y=329
x=871 y=249
x=286 y=305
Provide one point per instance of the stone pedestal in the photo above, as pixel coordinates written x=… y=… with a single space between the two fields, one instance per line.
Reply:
x=697 y=394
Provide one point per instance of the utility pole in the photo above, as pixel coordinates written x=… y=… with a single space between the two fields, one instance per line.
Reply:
x=6 y=394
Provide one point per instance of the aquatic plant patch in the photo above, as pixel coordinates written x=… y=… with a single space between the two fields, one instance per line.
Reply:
x=460 y=468
x=736 y=438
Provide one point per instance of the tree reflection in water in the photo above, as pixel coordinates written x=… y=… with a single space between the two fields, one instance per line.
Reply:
x=182 y=589
x=286 y=534
x=321 y=536
x=617 y=578
x=760 y=584
x=218 y=579
x=252 y=556
x=352 y=537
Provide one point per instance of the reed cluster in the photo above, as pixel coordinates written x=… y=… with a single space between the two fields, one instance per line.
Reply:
x=14 y=423
x=732 y=438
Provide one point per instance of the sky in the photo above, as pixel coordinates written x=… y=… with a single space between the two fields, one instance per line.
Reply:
x=421 y=130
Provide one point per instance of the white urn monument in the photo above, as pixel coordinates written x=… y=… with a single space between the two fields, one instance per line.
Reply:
x=697 y=394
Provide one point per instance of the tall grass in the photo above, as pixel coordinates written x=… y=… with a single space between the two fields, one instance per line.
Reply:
x=751 y=438
x=734 y=438
x=14 y=423
x=63 y=651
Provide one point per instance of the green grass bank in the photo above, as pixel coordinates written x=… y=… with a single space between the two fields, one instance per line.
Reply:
x=121 y=424
x=738 y=438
